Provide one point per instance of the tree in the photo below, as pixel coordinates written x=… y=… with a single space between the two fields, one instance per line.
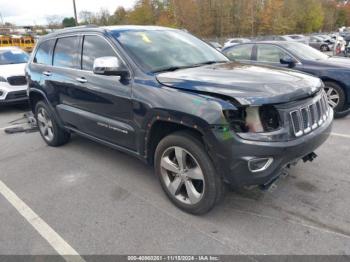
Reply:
x=103 y=17
x=68 y=22
x=227 y=18
x=142 y=14
x=120 y=16
x=271 y=17
x=54 y=21
x=86 y=17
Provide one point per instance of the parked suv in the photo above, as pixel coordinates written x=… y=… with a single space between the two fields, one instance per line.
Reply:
x=177 y=103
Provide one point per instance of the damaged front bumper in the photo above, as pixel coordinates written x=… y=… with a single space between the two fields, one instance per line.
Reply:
x=236 y=155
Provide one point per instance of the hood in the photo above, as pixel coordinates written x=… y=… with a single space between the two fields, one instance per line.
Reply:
x=249 y=85
x=12 y=70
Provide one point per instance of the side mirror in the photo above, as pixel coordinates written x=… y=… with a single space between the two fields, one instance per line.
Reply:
x=287 y=60
x=109 y=65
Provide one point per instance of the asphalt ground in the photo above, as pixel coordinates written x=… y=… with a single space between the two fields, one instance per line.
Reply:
x=90 y=199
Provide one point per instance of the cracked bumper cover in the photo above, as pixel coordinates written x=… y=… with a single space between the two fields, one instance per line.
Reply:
x=231 y=160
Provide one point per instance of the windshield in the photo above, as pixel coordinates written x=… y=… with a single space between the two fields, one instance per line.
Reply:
x=162 y=50
x=305 y=52
x=13 y=56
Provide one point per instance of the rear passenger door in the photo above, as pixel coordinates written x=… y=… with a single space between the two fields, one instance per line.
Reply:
x=98 y=105
x=241 y=53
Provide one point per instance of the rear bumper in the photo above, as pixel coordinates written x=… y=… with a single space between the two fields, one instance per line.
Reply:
x=232 y=160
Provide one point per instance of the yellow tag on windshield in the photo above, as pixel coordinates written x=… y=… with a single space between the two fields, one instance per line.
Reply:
x=145 y=38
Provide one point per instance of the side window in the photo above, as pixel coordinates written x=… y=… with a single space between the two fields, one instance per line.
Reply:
x=43 y=54
x=94 y=47
x=66 y=52
x=269 y=54
x=242 y=52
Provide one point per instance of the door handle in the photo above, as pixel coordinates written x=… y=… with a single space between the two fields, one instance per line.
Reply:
x=47 y=73
x=81 y=80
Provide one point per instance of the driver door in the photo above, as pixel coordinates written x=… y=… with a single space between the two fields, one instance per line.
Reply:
x=268 y=54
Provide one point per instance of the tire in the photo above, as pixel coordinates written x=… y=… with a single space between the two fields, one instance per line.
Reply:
x=336 y=97
x=48 y=126
x=204 y=184
x=324 y=48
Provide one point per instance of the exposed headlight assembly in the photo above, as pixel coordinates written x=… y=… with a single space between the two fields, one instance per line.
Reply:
x=259 y=123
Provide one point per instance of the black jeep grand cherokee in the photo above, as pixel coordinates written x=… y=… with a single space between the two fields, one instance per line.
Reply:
x=173 y=101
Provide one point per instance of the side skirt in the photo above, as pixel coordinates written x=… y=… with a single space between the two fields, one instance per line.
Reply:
x=106 y=143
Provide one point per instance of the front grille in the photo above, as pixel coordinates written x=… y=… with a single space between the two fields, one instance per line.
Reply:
x=17 y=80
x=16 y=94
x=310 y=117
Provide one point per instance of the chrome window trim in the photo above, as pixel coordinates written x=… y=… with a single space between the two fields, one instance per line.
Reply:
x=81 y=34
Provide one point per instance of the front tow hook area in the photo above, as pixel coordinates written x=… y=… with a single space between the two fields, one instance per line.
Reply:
x=271 y=185
x=310 y=157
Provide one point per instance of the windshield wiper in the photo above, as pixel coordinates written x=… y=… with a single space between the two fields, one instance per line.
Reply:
x=170 y=69
x=174 y=68
x=210 y=63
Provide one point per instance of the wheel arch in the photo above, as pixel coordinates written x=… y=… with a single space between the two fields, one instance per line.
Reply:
x=341 y=84
x=35 y=95
x=161 y=128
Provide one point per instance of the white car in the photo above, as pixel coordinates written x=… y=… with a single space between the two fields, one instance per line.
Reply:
x=297 y=38
x=235 y=41
x=13 y=83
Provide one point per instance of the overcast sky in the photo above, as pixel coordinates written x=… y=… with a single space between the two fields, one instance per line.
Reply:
x=34 y=12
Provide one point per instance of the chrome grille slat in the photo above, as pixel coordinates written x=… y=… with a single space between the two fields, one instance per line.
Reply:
x=310 y=117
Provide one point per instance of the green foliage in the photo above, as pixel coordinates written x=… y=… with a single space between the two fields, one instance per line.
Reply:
x=222 y=18
x=68 y=22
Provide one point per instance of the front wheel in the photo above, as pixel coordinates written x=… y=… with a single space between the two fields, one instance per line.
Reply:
x=187 y=174
x=335 y=96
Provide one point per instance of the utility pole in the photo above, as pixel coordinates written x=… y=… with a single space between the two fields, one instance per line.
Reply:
x=75 y=13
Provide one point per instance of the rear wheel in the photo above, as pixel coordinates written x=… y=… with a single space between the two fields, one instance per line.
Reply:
x=49 y=128
x=187 y=174
x=335 y=96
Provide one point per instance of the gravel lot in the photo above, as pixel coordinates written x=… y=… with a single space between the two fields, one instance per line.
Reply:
x=101 y=201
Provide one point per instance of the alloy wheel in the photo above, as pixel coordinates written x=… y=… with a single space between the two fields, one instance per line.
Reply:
x=45 y=124
x=332 y=96
x=182 y=175
x=324 y=49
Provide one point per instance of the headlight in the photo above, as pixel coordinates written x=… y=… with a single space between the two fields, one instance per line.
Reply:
x=2 y=79
x=260 y=123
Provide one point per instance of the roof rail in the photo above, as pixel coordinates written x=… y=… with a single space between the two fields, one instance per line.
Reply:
x=76 y=27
